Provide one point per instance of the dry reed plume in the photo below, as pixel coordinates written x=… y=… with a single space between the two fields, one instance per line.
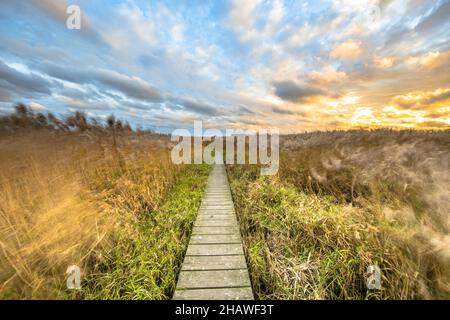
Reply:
x=65 y=188
x=343 y=201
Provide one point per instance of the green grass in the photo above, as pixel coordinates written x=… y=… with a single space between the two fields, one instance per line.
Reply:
x=144 y=262
x=342 y=201
x=303 y=246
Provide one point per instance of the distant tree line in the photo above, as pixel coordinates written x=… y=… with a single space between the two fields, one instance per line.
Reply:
x=25 y=118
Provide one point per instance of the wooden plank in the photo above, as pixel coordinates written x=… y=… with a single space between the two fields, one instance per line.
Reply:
x=215 y=230
x=217 y=210
x=219 y=262
x=204 y=213
x=222 y=218
x=214 y=249
x=215 y=294
x=213 y=279
x=215 y=238
x=216 y=223
x=215 y=206
x=218 y=215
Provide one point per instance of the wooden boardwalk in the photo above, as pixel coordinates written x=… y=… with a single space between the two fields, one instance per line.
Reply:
x=214 y=267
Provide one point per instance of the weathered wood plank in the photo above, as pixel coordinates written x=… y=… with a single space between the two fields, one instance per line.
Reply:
x=215 y=230
x=219 y=262
x=215 y=239
x=213 y=279
x=215 y=294
x=220 y=210
x=218 y=214
x=216 y=206
x=216 y=223
x=218 y=219
x=214 y=249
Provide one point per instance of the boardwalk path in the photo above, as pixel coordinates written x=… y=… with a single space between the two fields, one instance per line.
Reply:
x=214 y=266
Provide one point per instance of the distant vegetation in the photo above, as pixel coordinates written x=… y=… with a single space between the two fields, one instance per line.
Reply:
x=25 y=118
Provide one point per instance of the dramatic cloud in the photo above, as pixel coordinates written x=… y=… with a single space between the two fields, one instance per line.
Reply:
x=22 y=83
x=133 y=86
x=290 y=91
x=295 y=65
x=423 y=100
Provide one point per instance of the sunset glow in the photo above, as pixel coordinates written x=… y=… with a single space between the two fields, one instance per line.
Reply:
x=295 y=65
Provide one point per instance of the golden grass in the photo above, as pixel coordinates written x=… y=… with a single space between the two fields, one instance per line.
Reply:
x=343 y=201
x=63 y=194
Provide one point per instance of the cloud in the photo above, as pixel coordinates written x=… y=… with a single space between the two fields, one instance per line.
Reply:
x=347 y=50
x=21 y=83
x=282 y=111
x=384 y=63
x=275 y=16
x=430 y=60
x=5 y=95
x=290 y=91
x=27 y=51
x=195 y=106
x=242 y=18
x=423 y=100
x=37 y=106
x=243 y=110
x=437 y=19
x=327 y=75
x=140 y=23
x=85 y=103
x=55 y=10
x=232 y=67
x=433 y=124
x=131 y=86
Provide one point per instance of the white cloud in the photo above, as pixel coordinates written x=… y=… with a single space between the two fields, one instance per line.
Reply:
x=135 y=25
x=275 y=16
x=242 y=18
x=177 y=32
x=37 y=106
x=141 y=23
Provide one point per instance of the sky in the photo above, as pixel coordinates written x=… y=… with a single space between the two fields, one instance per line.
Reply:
x=292 y=65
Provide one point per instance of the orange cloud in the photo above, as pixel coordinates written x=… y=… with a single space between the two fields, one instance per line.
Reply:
x=430 y=60
x=347 y=50
x=384 y=63
x=423 y=100
x=327 y=75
